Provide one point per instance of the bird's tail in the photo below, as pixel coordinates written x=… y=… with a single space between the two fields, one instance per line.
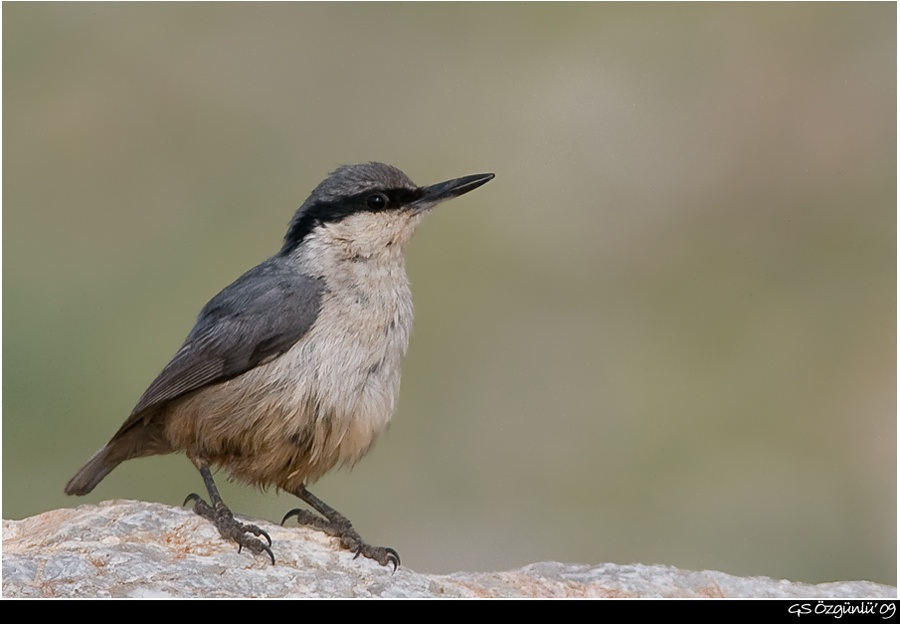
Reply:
x=92 y=473
x=138 y=437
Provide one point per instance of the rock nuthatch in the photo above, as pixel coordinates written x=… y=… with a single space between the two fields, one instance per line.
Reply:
x=295 y=367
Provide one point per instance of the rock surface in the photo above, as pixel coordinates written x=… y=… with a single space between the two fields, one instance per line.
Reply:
x=147 y=550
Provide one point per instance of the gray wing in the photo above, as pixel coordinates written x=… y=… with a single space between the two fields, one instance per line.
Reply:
x=254 y=320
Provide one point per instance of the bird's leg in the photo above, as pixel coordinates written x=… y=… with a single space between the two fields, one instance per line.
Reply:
x=337 y=525
x=221 y=516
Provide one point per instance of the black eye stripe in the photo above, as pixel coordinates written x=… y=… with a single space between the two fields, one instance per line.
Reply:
x=334 y=211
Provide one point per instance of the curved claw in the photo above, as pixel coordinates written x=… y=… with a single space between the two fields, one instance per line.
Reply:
x=290 y=514
x=394 y=558
x=391 y=556
x=252 y=528
x=192 y=497
x=265 y=549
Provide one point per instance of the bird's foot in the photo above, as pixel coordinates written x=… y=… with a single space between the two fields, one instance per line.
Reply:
x=341 y=528
x=230 y=528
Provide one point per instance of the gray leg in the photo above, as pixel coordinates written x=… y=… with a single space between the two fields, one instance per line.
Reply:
x=221 y=516
x=337 y=525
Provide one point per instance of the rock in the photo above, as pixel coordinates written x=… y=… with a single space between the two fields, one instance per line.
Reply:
x=147 y=550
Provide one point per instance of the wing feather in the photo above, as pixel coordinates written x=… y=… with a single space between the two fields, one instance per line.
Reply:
x=254 y=320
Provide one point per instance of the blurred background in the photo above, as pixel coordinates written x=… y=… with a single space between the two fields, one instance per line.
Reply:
x=665 y=333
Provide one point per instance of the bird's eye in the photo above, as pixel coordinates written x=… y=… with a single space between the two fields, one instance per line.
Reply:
x=377 y=201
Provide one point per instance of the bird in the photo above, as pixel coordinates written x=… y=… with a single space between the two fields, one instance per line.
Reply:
x=294 y=368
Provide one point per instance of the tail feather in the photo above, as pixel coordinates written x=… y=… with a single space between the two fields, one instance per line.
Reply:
x=93 y=472
x=135 y=439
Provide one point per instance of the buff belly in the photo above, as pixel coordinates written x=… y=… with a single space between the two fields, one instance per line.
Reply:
x=287 y=422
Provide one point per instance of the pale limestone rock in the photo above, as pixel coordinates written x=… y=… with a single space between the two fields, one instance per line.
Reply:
x=147 y=550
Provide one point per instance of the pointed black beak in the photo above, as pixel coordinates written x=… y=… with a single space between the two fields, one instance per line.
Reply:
x=436 y=193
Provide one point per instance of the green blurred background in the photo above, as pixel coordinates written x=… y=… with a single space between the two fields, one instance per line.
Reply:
x=665 y=333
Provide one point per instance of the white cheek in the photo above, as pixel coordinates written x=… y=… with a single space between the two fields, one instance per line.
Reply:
x=374 y=235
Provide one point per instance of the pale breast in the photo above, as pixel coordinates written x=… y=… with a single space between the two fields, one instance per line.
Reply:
x=321 y=404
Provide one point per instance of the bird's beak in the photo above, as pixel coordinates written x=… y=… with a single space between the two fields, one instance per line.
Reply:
x=436 y=193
